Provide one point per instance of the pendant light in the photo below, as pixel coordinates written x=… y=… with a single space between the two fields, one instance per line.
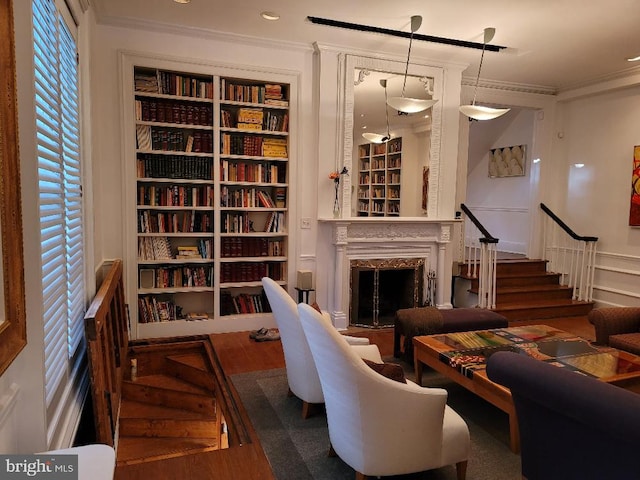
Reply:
x=407 y=104
x=479 y=112
x=376 y=137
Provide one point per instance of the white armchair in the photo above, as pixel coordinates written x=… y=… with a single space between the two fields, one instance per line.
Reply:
x=379 y=426
x=301 y=369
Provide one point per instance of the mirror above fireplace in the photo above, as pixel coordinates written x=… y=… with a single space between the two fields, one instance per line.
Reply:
x=390 y=179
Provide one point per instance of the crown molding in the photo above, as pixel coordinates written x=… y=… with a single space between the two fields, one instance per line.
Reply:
x=378 y=55
x=607 y=77
x=509 y=86
x=197 y=32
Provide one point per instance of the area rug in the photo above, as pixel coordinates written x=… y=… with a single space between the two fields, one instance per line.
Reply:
x=297 y=449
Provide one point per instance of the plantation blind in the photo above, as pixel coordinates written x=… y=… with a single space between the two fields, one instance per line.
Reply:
x=60 y=189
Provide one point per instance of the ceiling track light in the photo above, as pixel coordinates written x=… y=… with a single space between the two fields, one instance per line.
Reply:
x=408 y=104
x=479 y=112
x=376 y=137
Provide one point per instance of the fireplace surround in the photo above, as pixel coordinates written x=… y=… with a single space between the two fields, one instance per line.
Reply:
x=393 y=240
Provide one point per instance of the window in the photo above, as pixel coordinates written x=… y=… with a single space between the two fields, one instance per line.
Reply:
x=60 y=188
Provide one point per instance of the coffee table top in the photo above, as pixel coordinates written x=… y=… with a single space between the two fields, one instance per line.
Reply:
x=468 y=352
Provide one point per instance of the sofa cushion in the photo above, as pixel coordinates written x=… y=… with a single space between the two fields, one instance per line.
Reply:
x=389 y=370
x=629 y=342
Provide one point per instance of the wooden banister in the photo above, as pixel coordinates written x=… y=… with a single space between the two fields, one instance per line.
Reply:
x=107 y=350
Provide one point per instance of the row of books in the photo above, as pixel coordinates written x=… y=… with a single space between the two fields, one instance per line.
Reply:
x=245 y=198
x=150 y=310
x=263 y=172
x=243 y=222
x=243 y=303
x=162 y=139
x=174 y=222
x=154 y=248
x=251 y=247
x=175 y=195
x=166 y=111
x=272 y=94
x=173 y=166
x=169 y=83
x=253 y=145
x=159 y=248
x=269 y=121
x=182 y=276
x=239 y=144
x=251 y=271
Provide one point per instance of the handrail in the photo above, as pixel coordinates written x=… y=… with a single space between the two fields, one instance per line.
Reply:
x=570 y=255
x=481 y=261
x=565 y=227
x=488 y=238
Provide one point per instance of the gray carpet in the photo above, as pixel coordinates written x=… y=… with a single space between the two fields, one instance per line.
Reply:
x=297 y=449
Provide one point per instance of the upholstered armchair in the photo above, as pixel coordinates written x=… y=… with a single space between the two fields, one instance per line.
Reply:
x=302 y=375
x=379 y=426
x=571 y=425
x=617 y=327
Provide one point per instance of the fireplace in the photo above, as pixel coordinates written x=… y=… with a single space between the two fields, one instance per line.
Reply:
x=384 y=244
x=380 y=287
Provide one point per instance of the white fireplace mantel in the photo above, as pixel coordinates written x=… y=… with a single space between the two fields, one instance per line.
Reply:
x=389 y=237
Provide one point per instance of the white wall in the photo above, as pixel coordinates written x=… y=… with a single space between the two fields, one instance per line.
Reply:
x=601 y=131
x=501 y=204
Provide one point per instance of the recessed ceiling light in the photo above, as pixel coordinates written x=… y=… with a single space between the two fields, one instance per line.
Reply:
x=270 y=16
x=634 y=59
x=579 y=165
x=182 y=1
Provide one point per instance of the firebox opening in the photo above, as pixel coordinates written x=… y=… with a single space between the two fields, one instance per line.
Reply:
x=380 y=288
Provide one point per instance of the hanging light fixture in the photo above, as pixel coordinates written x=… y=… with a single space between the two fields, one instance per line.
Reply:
x=407 y=104
x=478 y=112
x=376 y=137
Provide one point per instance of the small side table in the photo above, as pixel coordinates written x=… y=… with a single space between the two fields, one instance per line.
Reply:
x=303 y=294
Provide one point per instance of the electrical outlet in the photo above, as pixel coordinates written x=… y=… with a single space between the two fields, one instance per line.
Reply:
x=305 y=223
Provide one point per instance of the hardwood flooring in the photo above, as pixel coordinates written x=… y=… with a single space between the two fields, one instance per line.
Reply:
x=239 y=354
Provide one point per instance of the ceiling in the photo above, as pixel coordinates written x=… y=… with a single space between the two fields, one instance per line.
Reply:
x=556 y=44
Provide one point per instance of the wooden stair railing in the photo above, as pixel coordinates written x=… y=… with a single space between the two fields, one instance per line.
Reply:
x=569 y=254
x=107 y=351
x=480 y=258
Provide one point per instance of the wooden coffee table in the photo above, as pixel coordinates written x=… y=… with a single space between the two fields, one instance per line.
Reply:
x=462 y=357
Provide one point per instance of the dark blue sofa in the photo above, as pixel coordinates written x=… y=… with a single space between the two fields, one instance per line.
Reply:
x=571 y=426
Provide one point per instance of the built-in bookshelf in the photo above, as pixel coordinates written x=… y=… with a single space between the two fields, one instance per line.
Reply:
x=254 y=155
x=211 y=196
x=379 y=178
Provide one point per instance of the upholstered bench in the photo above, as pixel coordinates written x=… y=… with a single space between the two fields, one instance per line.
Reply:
x=411 y=322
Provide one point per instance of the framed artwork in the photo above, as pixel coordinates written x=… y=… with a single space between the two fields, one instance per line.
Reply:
x=13 y=323
x=507 y=161
x=425 y=187
x=634 y=210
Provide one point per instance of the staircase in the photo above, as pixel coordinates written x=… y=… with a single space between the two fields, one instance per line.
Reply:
x=169 y=409
x=526 y=291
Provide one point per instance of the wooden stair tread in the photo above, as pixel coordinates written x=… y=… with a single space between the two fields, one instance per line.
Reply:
x=540 y=304
x=530 y=288
x=133 y=450
x=170 y=383
x=135 y=409
x=195 y=360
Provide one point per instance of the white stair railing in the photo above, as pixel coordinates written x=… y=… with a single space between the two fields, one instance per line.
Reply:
x=480 y=258
x=570 y=255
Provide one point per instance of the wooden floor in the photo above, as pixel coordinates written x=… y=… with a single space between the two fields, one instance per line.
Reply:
x=239 y=354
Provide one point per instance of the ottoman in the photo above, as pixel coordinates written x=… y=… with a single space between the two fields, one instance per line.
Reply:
x=412 y=322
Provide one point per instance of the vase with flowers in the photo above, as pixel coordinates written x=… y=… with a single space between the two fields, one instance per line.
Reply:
x=336 y=175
